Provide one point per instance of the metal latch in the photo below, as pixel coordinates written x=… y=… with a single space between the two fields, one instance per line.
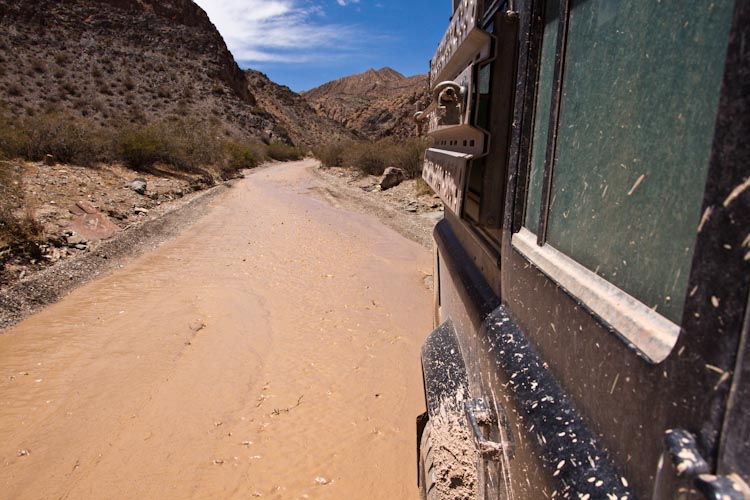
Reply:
x=690 y=464
x=478 y=413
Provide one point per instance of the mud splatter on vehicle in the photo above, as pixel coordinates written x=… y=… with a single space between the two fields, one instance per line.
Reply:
x=592 y=270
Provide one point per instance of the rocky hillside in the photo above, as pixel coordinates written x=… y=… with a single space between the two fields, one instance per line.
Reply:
x=376 y=103
x=118 y=61
x=294 y=113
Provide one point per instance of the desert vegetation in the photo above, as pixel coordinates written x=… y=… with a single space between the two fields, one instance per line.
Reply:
x=193 y=153
x=185 y=144
x=19 y=230
x=283 y=152
x=372 y=158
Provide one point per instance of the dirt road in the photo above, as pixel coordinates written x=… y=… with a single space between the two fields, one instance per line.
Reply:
x=270 y=350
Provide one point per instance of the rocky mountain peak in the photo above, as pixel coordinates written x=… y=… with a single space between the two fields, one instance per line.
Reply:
x=375 y=103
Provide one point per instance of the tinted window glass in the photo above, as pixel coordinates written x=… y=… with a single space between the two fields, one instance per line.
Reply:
x=640 y=95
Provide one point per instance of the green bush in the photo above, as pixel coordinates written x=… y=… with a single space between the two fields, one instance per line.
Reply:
x=283 y=152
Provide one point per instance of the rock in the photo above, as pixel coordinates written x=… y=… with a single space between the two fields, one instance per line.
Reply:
x=138 y=185
x=140 y=210
x=75 y=239
x=321 y=480
x=89 y=223
x=392 y=177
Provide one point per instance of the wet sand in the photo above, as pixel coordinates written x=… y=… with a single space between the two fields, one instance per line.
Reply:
x=270 y=350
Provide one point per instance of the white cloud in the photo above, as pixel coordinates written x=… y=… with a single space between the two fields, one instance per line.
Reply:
x=279 y=30
x=344 y=3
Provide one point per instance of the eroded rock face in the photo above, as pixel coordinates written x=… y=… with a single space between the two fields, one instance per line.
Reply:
x=303 y=125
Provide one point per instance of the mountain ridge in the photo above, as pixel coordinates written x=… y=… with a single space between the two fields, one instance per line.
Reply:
x=375 y=103
x=126 y=61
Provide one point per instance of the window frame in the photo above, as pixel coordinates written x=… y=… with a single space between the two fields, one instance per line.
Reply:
x=657 y=345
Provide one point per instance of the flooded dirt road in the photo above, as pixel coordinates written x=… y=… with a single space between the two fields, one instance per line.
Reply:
x=271 y=350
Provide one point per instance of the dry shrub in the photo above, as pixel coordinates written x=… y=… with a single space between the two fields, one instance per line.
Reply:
x=423 y=189
x=188 y=145
x=237 y=157
x=330 y=155
x=283 y=152
x=19 y=231
x=259 y=150
x=66 y=139
x=367 y=157
x=372 y=158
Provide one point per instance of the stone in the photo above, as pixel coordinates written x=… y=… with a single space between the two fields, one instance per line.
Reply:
x=392 y=177
x=76 y=239
x=140 y=210
x=89 y=223
x=138 y=185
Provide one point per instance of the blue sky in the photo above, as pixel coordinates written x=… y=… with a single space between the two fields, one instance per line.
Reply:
x=305 y=43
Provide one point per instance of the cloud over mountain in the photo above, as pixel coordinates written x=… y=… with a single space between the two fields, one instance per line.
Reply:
x=258 y=31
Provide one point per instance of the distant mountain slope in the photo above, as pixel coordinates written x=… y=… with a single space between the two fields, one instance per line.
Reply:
x=294 y=113
x=376 y=103
x=120 y=61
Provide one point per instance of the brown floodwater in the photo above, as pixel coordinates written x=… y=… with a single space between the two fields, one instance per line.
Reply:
x=270 y=350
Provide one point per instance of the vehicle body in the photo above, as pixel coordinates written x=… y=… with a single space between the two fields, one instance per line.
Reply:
x=593 y=267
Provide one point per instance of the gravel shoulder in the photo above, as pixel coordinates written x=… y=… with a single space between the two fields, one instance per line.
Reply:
x=402 y=208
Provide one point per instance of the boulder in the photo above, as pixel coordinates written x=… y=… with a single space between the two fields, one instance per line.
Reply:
x=89 y=223
x=392 y=177
x=74 y=239
x=138 y=185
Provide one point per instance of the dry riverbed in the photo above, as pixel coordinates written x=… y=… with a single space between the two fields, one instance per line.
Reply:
x=270 y=349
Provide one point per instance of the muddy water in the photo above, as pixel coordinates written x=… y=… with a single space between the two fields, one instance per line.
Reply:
x=271 y=350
